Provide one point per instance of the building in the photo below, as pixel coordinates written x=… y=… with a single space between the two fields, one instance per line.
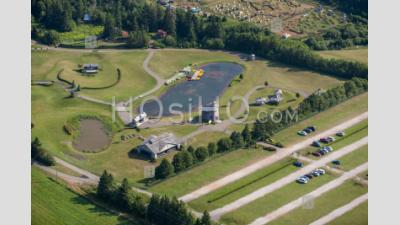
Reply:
x=156 y=145
x=87 y=18
x=90 y=68
x=260 y=101
x=139 y=119
x=161 y=33
x=210 y=112
x=252 y=57
x=276 y=97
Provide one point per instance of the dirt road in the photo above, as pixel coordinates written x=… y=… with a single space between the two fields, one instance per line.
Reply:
x=340 y=211
x=216 y=214
x=317 y=192
x=282 y=153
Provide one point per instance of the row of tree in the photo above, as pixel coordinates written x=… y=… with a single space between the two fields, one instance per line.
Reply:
x=160 y=210
x=186 y=158
x=40 y=154
x=320 y=101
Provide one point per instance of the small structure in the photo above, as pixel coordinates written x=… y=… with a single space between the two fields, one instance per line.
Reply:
x=161 y=33
x=276 y=97
x=139 y=120
x=156 y=145
x=90 y=68
x=124 y=34
x=87 y=18
x=260 y=101
x=252 y=57
x=210 y=112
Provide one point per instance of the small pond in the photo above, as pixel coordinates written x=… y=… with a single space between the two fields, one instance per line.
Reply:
x=217 y=77
x=93 y=136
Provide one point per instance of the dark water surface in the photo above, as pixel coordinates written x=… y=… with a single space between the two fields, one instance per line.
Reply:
x=216 y=78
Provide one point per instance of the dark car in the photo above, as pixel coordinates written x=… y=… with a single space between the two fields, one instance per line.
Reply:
x=324 y=140
x=312 y=128
x=317 y=154
x=308 y=130
x=336 y=162
x=298 y=164
x=310 y=176
x=322 y=152
x=316 y=144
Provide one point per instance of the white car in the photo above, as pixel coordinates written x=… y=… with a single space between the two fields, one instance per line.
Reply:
x=302 y=180
x=320 y=171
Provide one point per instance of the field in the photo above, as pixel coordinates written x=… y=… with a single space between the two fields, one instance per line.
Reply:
x=360 y=55
x=357 y=216
x=272 y=201
x=207 y=172
x=354 y=159
x=53 y=203
x=323 y=205
x=326 y=119
x=46 y=65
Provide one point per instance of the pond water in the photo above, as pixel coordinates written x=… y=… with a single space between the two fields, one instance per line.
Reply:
x=93 y=136
x=216 y=78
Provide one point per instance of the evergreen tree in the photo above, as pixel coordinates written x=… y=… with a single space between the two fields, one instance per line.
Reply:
x=224 y=144
x=212 y=148
x=110 y=30
x=187 y=158
x=105 y=187
x=201 y=154
x=246 y=135
x=206 y=219
x=236 y=139
x=123 y=195
x=164 y=170
x=178 y=162
x=169 y=23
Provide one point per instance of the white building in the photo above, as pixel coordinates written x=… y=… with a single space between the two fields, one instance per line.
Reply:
x=139 y=119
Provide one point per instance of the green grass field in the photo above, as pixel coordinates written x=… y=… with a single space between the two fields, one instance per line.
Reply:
x=357 y=216
x=134 y=80
x=207 y=172
x=272 y=201
x=54 y=204
x=244 y=186
x=323 y=205
x=325 y=120
x=360 y=55
x=354 y=159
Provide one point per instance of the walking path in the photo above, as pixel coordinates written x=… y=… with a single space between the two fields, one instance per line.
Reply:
x=317 y=192
x=340 y=211
x=216 y=214
x=282 y=153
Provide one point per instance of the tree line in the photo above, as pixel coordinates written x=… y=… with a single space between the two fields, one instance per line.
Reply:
x=160 y=210
x=40 y=154
x=185 y=29
x=189 y=157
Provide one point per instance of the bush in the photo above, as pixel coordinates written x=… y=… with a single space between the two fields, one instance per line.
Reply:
x=270 y=149
x=41 y=155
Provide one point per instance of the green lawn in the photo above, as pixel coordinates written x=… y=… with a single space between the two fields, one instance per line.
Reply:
x=208 y=172
x=325 y=120
x=356 y=216
x=323 y=205
x=244 y=186
x=272 y=201
x=360 y=55
x=134 y=80
x=54 y=204
x=354 y=159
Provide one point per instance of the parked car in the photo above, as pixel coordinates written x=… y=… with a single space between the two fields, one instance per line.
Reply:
x=303 y=180
x=312 y=128
x=331 y=139
x=307 y=130
x=302 y=133
x=316 y=144
x=340 y=134
x=336 y=162
x=298 y=164
x=316 y=173
x=327 y=149
x=324 y=140
x=321 y=171
x=317 y=154
x=309 y=176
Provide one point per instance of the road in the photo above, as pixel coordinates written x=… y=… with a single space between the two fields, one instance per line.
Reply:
x=216 y=214
x=340 y=211
x=317 y=192
x=282 y=153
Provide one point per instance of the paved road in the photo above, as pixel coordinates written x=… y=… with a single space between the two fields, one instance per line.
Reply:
x=317 y=192
x=216 y=214
x=340 y=211
x=268 y=160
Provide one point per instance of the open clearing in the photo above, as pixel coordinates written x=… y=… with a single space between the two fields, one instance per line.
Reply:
x=207 y=172
x=357 y=216
x=354 y=159
x=323 y=204
x=53 y=203
x=360 y=55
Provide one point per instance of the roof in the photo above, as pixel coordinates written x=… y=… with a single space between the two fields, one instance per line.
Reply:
x=90 y=65
x=156 y=144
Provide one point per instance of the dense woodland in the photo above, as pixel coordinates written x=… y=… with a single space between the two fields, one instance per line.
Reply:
x=185 y=30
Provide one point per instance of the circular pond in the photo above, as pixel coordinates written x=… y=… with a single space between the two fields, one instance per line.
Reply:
x=93 y=136
x=187 y=95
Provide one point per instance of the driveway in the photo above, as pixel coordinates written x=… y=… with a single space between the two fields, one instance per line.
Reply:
x=282 y=153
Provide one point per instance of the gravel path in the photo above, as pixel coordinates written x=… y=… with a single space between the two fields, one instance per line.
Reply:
x=216 y=214
x=282 y=153
x=340 y=211
x=317 y=192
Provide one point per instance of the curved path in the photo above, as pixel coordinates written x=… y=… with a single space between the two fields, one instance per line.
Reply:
x=282 y=153
x=316 y=193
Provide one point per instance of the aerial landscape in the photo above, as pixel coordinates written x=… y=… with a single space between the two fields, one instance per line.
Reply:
x=199 y=112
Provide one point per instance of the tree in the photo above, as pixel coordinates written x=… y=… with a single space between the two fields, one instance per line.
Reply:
x=201 y=154
x=187 y=158
x=206 y=219
x=164 y=170
x=138 y=39
x=105 y=187
x=241 y=76
x=110 y=29
x=123 y=195
x=178 y=162
x=224 y=144
x=212 y=148
x=41 y=155
x=297 y=95
x=246 y=135
x=51 y=38
x=236 y=139
x=169 y=22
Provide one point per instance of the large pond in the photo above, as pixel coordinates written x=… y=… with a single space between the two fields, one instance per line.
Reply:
x=216 y=78
x=93 y=136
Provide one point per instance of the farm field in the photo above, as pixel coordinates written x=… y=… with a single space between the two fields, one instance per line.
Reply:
x=323 y=205
x=360 y=55
x=273 y=201
x=354 y=159
x=325 y=120
x=46 y=65
x=53 y=203
x=357 y=216
x=244 y=186
x=207 y=172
